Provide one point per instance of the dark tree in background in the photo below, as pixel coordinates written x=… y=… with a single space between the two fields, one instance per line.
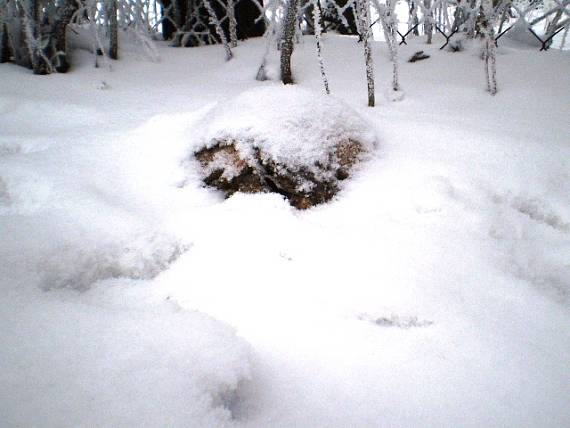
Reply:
x=343 y=22
x=59 y=34
x=250 y=22
x=182 y=17
x=113 y=29
x=5 y=48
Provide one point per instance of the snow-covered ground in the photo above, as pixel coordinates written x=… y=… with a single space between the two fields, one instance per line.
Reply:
x=433 y=291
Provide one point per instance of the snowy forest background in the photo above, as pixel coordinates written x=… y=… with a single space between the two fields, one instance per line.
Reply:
x=34 y=33
x=284 y=213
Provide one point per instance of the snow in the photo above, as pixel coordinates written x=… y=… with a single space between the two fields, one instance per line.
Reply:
x=433 y=291
x=290 y=125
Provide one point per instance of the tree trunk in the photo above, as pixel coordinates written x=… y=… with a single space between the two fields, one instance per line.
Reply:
x=288 y=40
x=232 y=23
x=487 y=27
x=39 y=41
x=64 y=16
x=5 y=49
x=364 y=26
x=429 y=21
x=113 y=29
x=317 y=26
x=168 y=27
x=178 y=14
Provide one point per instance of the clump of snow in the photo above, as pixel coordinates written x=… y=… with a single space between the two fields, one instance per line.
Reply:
x=290 y=125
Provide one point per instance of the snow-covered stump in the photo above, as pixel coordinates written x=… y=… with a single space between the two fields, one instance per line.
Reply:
x=285 y=140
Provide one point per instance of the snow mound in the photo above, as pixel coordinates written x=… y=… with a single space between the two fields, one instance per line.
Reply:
x=292 y=125
x=284 y=140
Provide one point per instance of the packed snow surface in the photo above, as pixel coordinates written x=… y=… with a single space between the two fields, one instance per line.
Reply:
x=434 y=290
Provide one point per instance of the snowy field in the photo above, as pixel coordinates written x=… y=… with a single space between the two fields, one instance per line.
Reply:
x=433 y=291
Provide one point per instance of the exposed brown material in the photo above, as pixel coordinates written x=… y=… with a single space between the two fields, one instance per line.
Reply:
x=303 y=185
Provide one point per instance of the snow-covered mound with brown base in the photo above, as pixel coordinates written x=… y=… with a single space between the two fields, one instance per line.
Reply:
x=283 y=139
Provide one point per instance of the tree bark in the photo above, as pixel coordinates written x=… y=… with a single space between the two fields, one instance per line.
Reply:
x=38 y=40
x=232 y=23
x=113 y=29
x=5 y=49
x=317 y=26
x=59 y=34
x=429 y=21
x=287 y=41
x=489 y=46
x=168 y=27
x=364 y=26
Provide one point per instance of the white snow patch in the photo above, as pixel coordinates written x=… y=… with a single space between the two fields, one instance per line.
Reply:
x=291 y=125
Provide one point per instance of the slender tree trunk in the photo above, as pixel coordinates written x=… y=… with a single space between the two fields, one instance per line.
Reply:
x=318 y=31
x=113 y=29
x=414 y=18
x=39 y=41
x=392 y=27
x=364 y=27
x=216 y=23
x=5 y=49
x=491 y=66
x=429 y=21
x=489 y=51
x=233 y=23
x=168 y=27
x=288 y=40
x=178 y=13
